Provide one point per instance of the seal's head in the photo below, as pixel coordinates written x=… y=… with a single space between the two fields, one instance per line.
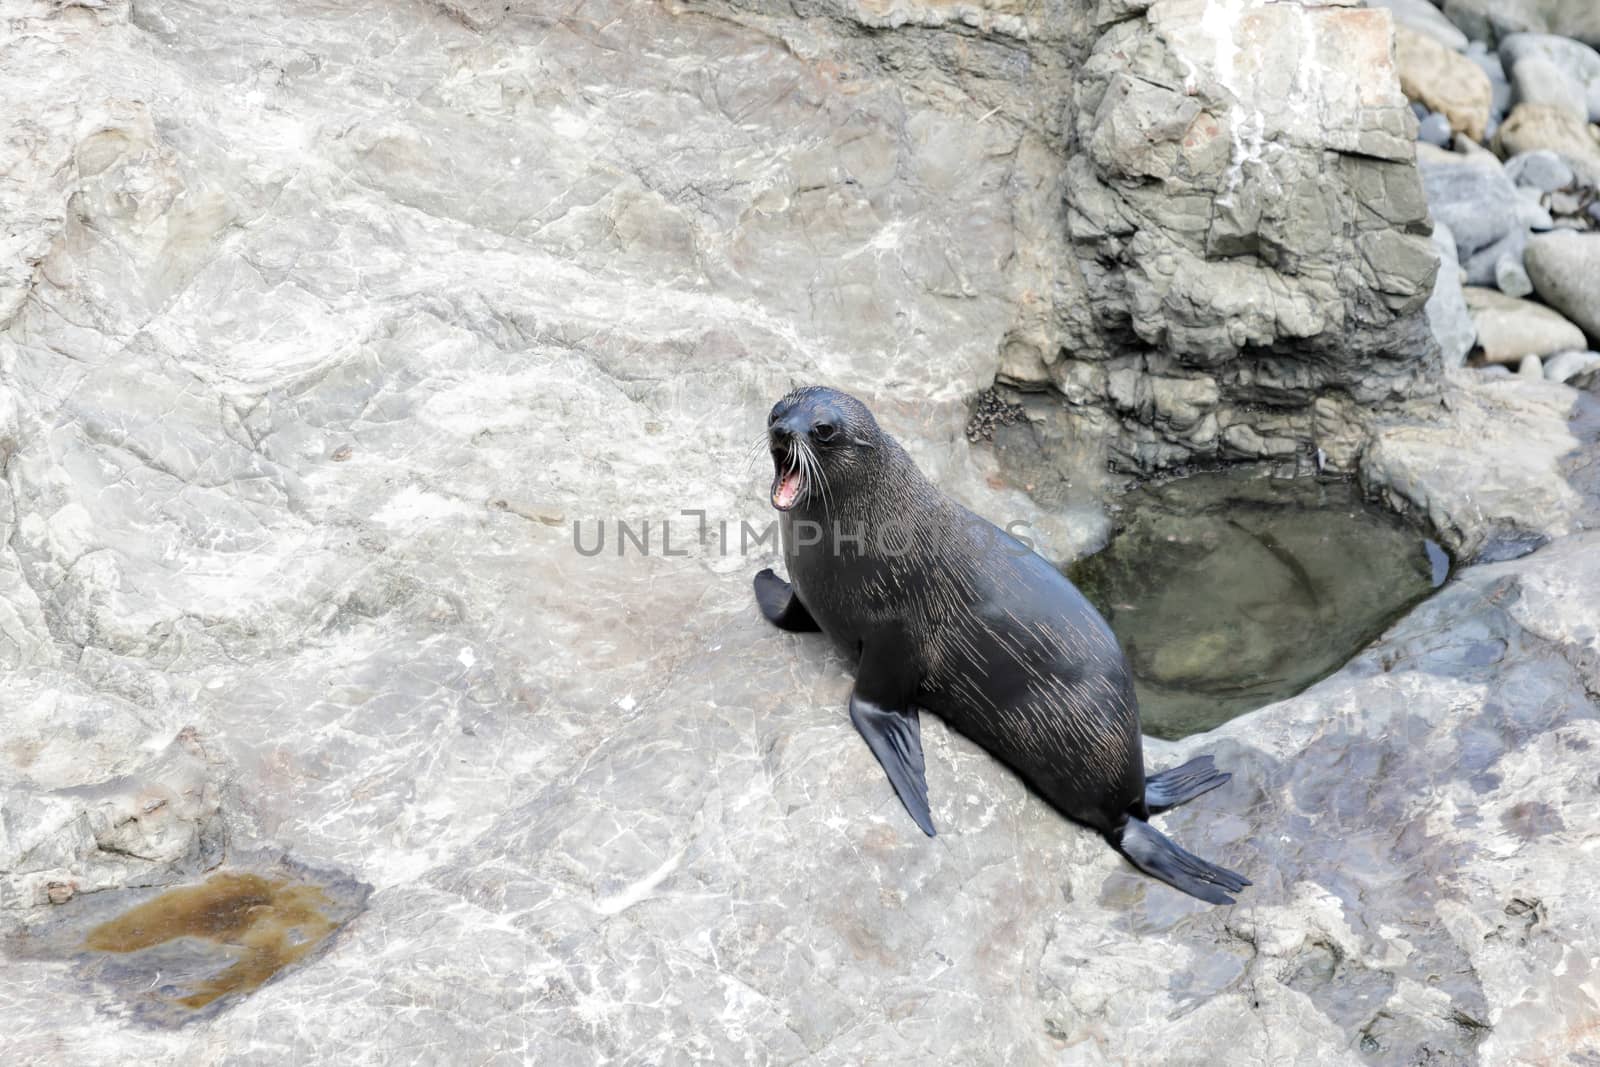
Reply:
x=817 y=436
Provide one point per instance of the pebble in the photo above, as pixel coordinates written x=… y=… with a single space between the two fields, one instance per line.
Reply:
x=1509 y=329
x=1471 y=196
x=1539 y=81
x=1564 y=366
x=1495 y=370
x=1435 y=129
x=1483 y=266
x=1565 y=268
x=1577 y=62
x=1424 y=17
x=1531 y=127
x=1511 y=278
x=1492 y=67
x=1530 y=367
x=1443 y=80
x=1543 y=170
x=1446 y=309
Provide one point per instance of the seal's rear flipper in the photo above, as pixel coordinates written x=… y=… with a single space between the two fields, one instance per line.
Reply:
x=1153 y=854
x=895 y=737
x=1179 y=785
x=780 y=606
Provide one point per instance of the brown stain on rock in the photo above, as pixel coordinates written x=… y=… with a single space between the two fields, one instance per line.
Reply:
x=269 y=923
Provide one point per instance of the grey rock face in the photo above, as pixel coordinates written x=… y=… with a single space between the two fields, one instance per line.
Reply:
x=1565 y=269
x=1231 y=233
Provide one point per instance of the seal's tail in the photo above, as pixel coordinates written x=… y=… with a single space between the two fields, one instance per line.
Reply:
x=1153 y=854
x=1179 y=785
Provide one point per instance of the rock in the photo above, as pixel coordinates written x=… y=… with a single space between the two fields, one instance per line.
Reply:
x=1202 y=257
x=1444 y=81
x=1435 y=129
x=1448 y=316
x=1511 y=277
x=325 y=332
x=1510 y=467
x=1530 y=367
x=1495 y=20
x=1577 y=61
x=1472 y=197
x=1536 y=80
x=1483 y=267
x=1532 y=127
x=1499 y=85
x=1565 y=269
x=1543 y=170
x=1565 y=366
x=1425 y=18
x=1509 y=329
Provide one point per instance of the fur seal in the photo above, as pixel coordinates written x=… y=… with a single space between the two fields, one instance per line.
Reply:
x=947 y=612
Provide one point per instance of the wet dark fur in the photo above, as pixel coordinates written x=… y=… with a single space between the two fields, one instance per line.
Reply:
x=998 y=642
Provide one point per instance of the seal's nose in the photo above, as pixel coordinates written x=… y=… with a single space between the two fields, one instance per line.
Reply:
x=787 y=427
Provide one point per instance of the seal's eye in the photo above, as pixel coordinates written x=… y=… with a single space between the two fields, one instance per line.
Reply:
x=823 y=431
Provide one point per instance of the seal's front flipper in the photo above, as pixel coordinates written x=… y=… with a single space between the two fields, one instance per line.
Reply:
x=895 y=737
x=1179 y=785
x=1153 y=854
x=781 y=607
x=881 y=709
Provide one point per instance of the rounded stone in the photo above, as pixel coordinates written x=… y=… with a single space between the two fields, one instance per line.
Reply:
x=1542 y=169
x=1564 y=366
x=1509 y=329
x=1565 y=269
x=1435 y=129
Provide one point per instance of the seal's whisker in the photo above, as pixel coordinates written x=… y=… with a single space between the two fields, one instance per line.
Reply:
x=816 y=471
x=802 y=451
x=758 y=446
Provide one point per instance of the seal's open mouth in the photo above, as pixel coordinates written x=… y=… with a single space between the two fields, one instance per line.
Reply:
x=788 y=479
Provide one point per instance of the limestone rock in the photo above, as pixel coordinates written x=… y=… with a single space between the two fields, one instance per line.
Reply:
x=1543 y=170
x=1536 y=80
x=1443 y=80
x=1506 y=472
x=1447 y=307
x=1509 y=328
x=1576 y=61
x=1532 y=127
x=1567 y=366
x=1473 y=197
x=1425 y=18
x=1565 y=270
x=1199 y=246
x=1495 y=20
